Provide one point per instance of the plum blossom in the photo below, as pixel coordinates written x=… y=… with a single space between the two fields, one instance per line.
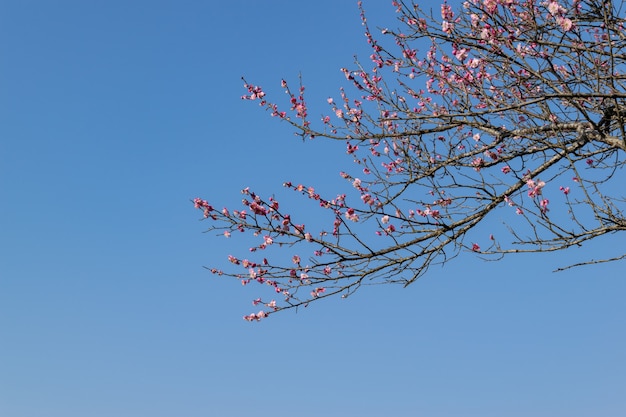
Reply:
x=555 y=8
x=258 y=316
x=351 y=215
x=490 y=5
x=478 y=163
x=534 y=188
x=565 y=23
x=255 y=92
x=460 y=54
x=317 y=292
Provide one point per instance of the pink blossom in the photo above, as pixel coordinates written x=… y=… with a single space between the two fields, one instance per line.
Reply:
x=474 y=62
x=199 y=203
x=295 y=259
x=486 y=32
x=556 y=9
x=226 y=233
x=258 y=316
x=257 y=208
x=478 y=163
x=351 y=215
x=564 y=189
x=255 y=92
x=446 y=12
x=475 y=247
x=460 y=54
x=534 y=188
x=352 y=149
x=317 y=291
x=543 y=204
x=490 y=5
x=385 y=219
x=565 y=23
x=506 y=169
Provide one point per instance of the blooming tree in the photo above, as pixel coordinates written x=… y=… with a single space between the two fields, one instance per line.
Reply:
x=506 y=108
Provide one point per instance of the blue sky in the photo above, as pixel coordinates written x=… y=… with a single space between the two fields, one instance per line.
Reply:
x=114 y=115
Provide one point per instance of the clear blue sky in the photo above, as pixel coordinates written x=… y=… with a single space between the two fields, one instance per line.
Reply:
x=113 y=115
